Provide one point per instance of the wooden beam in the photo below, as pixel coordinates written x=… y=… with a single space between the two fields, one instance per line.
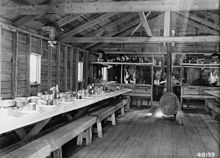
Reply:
x=141 y=6
x=125 y=31
x=68 y=19
x=71 y=69
x=24 y=19
x=167 y=23
x=107 y=27
x=76 y=68
x=195 y=24
x=87 y=25
x=187 y=39
x=145 y=23
x=121 y=29
x=133 y=53
x=37 y=128
x=49 y=67
x=15 y=65
x=0 y=61
x=65 y=68
x=30 y=9
x=28 y=65
x=103 y=7
x=21 y=133
x=41 y=53
x=58 y=65
x=169 y=67
x=200 y=20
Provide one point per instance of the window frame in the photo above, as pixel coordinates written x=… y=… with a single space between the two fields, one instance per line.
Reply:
x=38 y=69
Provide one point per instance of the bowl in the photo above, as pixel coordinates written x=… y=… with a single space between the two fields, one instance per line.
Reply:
x=7 y=103
x=33 y=99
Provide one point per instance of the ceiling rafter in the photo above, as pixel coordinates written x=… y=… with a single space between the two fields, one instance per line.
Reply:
x=185 y=39
x=104 y=7
x=86 y=25
x=123 y=28
x=121 y=34
x=200 y=20
x=127 y=30
x=26 y=18
x=100 y=31
x=195 y=24
x=145 y=23
x=68 y=19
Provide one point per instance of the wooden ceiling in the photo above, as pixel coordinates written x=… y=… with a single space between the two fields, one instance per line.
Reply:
x=102 y=19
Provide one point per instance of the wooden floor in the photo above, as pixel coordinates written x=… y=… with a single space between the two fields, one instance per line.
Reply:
x=144 y=133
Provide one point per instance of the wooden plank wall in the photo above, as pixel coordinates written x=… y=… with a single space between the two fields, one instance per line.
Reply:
x=58 y=65
x=6 y=63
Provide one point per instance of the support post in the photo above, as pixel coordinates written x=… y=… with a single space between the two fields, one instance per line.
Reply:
x=15 y=64
x=58 y=64
x=169 y=67
x=28 y=53
x=65 y=68
x=0 y=61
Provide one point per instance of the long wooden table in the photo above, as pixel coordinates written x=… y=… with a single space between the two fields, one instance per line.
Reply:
x=16 y=119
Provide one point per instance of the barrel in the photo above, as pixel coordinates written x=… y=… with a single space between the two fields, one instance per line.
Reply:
x=169 y=103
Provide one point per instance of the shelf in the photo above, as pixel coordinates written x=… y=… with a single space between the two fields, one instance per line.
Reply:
x=121 y=63
x=174 y=66
x=201 y=65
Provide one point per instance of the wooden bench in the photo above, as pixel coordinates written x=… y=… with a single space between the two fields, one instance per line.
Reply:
x=53 y=141
x=140 y=97
x=105 y=112
x=213 y=107
x=195 y=93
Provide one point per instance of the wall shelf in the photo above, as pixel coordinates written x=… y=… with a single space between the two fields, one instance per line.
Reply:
x=200 y=65
x=122 y=63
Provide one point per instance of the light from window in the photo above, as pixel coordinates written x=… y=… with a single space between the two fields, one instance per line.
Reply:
x=80 y=71
x=104 y=73
x=35 y=68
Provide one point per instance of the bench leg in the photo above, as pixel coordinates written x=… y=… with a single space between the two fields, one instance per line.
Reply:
x=99 y=128
x=214 y=115
x=113 y=119
x=57 y=153
x=123 y=110
x=89 y=136
x=80 y=139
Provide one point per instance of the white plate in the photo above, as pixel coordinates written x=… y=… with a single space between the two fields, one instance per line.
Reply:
x=47 y=106
x=29 y=111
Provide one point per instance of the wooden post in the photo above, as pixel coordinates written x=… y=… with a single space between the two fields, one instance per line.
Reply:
x=76 y=65
x=41 y=52
x=71 y=68
x=152 y=81
x=169 y=67
x=0 y=61
x=86 y=69
x=58 y=64
x=14 y=64
x=49 y=68
x=65 y=68
x=167 y=28
x=28 y=53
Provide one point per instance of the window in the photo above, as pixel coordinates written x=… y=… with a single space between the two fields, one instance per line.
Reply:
x=104 y=73
x=35 y=68
x=80 y=71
